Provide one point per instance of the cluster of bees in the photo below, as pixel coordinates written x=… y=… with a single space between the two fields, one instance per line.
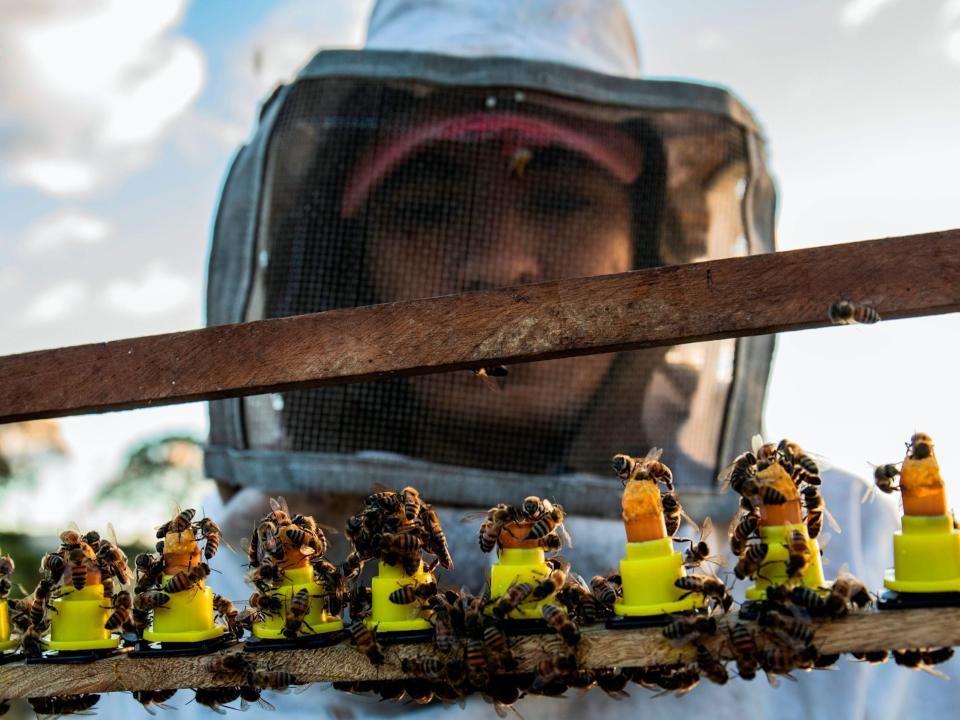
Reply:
x=745 y=477
x=282 y=539
x=80 y=560
x=398 y=529
x=152 y=592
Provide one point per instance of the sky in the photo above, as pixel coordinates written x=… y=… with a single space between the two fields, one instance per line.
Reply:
x=118 y=122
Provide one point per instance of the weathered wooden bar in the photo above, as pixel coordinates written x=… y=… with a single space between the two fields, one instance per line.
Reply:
x=900 y=277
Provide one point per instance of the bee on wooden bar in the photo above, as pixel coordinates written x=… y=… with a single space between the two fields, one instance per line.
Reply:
x=150 y=698
x=214 y=698
x=272 y=679
x=561 y=624
x=711 y=587
x=846 y=590
x=688 y=629
x=790 y=629
x=234 y=663
x=366 y=642
x=751 y=561
x=714 y=670
x=845 y=312
x=63 y=704
x=744 y=646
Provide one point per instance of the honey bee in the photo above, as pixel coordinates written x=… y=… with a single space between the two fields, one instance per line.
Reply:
x=816 y=511
x=874 y=657
x=351 y=566
x=672 y=512
x=439 y=540
x=211 y=536
x=790 y=629
x=711 y=587
x=713 y=669
x=186 y=579
x=845 y=312
x=532 y=507
x=476 y=662
x=808 y=599
x=428 y=668
x=400 y=543
x=386 y=501
x=213 y=698
x=745 y=650
x=497 y=647
x=366 y=642
x=112 y=561
x=444 y=636
x=782 y=660
x=266 y=576
x=122 y=614
x=272 y=679
x=181 y=522
x=699 y=552
x=794 y=456
x=149 y=570
x=150 y=600
x=920 y=447
x=54 y=564
x=846 y=589
x=515 y=595
x=650 y=468
x=41 y=601
x=297 y=610
x=63 y=704
x=884 y=477
x=625 y=467
x=413 y=592
x=549 y=586
x=738 y=472
x=744 y=530
x=798 y=554
x=31 y=640
x=266 y=604
x=547 y=523
x=231 y=616
x=689 y=628
x=267 y=544
x=70 y=539
x=756 y=490
x=751 y=561
x=492 y=375
x=558 y=620
x=80 y=565
x=411 y=503
x=603 y=590
x=149 y=698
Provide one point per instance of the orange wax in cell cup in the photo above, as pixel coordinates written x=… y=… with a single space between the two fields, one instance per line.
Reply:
x=180 y=552
x=922 y=487
x=515 y=536
x=779 y=479
x=775 y=515
x=643 y=511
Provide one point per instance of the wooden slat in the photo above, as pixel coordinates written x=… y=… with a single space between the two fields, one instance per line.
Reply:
x=900 y=277
x=890 y=630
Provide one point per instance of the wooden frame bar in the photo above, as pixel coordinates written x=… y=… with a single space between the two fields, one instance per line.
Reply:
x=900 y=277
x=875 y=630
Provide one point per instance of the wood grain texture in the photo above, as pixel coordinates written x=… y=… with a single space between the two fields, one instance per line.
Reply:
x=900 y=277
x=874 y=630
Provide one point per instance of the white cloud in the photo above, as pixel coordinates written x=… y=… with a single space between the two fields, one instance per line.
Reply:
x=66 y=227
x=157 y=292
x=87 y=90
x=288 y=38
x=858 y=12
x=59 y=302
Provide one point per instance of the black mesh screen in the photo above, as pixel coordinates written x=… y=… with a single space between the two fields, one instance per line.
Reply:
x=384 y=191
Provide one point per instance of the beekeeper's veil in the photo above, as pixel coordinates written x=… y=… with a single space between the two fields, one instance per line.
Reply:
x=464 y=130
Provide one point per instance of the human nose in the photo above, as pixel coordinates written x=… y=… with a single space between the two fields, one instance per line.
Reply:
x=503 y=252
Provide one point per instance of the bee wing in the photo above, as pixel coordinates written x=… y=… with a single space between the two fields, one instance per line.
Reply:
x=112 y=535
x=756 y=442
x=832 y=520
x=566 y=535
x=724 y=477
x=475 y=515
x=653 y=454
x=279 y=504
x=706 y=529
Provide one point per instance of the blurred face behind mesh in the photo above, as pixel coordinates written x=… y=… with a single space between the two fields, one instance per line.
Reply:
x=456 y=218
x=557 y=189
